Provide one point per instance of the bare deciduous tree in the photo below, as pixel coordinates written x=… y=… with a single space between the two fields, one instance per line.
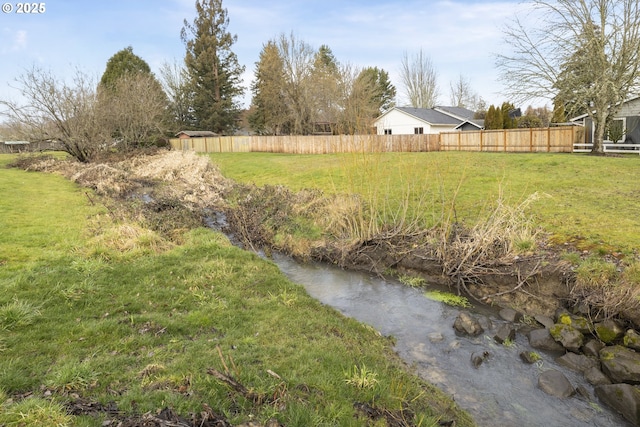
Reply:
x=175 y=82
x=587 y=52
x=366 y=93
x=57 y=110
x=420 y=80
x=134 y=110
x=462 y=95
x=297 y=57
x=84 y=119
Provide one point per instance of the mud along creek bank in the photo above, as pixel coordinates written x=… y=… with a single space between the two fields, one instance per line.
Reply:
x=571 y=361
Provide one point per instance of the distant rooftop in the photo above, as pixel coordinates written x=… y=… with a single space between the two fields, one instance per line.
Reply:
x=196 y=133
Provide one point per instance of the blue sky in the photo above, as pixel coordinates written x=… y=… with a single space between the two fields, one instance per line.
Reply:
x=460 y=36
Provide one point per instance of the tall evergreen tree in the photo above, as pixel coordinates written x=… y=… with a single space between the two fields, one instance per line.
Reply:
x=269 y=114
x=132 y=102
x=382 y=91
x=122 y=63
x=325 y=87
x=493 y=119
x=213 y=68
x=508 y=121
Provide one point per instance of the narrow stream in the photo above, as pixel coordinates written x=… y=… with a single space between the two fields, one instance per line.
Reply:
x=502 y=391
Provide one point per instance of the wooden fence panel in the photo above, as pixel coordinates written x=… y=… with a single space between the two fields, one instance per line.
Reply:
x=559 y=139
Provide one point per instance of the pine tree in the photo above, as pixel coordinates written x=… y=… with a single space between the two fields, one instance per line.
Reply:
x=124 y=62
x=383 y=92
x=268 y=111
x=324 y=88
x=213 y=68
x=493 y=119
x=508 y=122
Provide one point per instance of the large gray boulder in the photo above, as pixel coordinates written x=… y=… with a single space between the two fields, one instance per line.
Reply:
x=595 y=377
x=545 y=321
x=542 y=340
x=570 y=338
x=592 y=348
x=555 y=384
x=505 y=333
x=510 y=315
x=623 y=398
x=467 y=325
x=608 y=331
x=577 y=362
x=620 y=364
x=578 y=322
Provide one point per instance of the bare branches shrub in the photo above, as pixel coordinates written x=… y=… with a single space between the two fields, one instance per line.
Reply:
x=57 y=110
x=606 y=287
x=134 y=110
x=84 y=119
x=467 y=254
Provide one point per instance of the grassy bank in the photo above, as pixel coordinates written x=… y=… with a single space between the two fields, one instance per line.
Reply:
x=589 y=202
x=95 y=310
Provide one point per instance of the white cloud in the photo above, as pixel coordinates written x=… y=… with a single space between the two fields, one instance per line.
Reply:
x=18 y=41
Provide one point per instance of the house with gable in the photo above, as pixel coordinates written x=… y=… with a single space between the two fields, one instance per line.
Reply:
x=625 y=125
x=409 y=120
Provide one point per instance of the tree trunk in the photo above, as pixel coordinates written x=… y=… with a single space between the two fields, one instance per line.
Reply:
x=599 y=128
x=598 y=138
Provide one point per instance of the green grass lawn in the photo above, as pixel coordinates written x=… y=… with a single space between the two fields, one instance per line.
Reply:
x=80 y=317
x=591 y=202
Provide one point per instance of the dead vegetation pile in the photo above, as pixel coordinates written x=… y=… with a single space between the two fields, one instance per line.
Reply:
x=184 y=176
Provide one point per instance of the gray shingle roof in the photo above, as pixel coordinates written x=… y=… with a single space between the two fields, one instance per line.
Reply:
x=197 y=133
x=430 y=116
x=461 y=112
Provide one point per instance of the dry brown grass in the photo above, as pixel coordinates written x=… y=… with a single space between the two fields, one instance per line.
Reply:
x=192 y=179
x=609 y=288
x=128 y=238
x=468 y=254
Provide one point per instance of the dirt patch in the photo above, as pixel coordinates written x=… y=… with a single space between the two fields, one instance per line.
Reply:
x=164 y=418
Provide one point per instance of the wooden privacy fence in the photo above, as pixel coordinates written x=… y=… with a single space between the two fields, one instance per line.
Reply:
x=555 y=140
x=216 y=144
x=308 y=144
x=529 y=140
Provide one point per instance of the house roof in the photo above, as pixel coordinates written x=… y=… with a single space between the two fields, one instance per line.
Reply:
x=197 y=133
x=582 y=116
x=457 y=112
x=430 y=115
x=479 y=123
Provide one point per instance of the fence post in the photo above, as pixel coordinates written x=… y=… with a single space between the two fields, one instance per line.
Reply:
x=504 y=139
x=531 y=140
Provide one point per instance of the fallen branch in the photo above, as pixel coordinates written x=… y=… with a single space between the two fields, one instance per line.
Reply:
x=521 y=282
x=256 y=398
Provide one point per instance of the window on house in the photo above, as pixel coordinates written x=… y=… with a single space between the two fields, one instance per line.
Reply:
x=387 y=131
x=616 y=131
x=418 y=131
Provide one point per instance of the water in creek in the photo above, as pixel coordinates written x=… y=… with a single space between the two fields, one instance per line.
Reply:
x=502 y=391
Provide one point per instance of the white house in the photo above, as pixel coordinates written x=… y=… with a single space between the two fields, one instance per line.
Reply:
x=408 y=120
